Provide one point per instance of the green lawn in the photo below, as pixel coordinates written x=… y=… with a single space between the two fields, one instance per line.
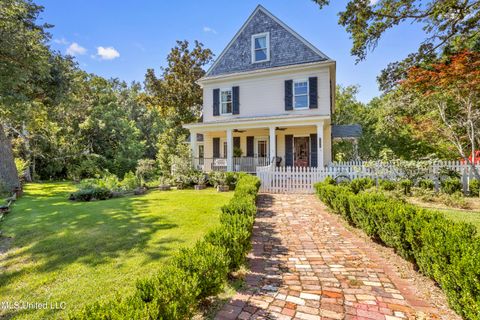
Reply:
x=77 y=253
x=472 y=217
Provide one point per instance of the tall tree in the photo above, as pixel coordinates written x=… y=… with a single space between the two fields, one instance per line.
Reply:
x=177 y=96
x=452 y=88
x=176 y=92
x=443 y=22
x=367 y=21
x=24 y=58
x=389 y=126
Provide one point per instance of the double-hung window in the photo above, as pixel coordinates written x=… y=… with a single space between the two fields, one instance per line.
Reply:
x=261 y=47
x=226 y=101
x=300 y=94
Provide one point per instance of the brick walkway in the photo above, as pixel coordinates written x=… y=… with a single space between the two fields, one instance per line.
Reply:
x=306 y=265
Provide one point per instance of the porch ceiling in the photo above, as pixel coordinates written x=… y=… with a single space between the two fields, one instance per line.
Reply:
x=260 y=122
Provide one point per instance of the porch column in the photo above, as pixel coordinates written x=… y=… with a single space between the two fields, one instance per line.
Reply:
x=272 y=144
x=229 y=150
x=320 y=143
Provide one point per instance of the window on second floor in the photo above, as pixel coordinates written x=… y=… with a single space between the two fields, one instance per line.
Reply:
x=300 y=94
x=226 y=101
x=261 y=47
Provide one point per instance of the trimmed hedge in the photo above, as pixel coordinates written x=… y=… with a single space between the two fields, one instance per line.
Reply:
x=91 y=193
x=193 y=274
x=446 y=251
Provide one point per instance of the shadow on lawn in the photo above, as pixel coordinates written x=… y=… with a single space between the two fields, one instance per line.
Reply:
x=93 y=233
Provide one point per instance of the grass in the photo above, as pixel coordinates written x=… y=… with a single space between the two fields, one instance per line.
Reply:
x=77 y=253
x=472 y=217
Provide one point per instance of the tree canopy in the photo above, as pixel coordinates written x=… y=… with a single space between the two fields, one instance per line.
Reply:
x=367 y=21
x=448 y=25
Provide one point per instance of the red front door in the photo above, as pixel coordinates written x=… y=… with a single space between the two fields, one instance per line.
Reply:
x=301 y=151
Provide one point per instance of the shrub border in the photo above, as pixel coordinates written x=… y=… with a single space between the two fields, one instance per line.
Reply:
x=446 y=251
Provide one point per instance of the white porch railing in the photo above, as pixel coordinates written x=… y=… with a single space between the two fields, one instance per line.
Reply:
x=239 y=164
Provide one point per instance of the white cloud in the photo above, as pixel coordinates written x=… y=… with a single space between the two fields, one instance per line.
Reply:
x=374 y=2
x=75 y=49
x=208 y=29
x=61 y=41
x=107 y=53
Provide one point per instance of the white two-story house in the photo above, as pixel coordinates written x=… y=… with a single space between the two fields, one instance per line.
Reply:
x=268 y=97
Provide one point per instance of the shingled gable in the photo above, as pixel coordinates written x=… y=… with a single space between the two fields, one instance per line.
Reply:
x=286 y=47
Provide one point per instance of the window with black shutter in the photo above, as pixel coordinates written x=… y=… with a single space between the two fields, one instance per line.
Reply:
x=216 y=147
x=288 y=95
x=216 y=102
x=313 y=92
x=236 y=100
x=289 y=150
x=313 y=150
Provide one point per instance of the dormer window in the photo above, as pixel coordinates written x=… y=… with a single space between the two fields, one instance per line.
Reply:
x=261 y=47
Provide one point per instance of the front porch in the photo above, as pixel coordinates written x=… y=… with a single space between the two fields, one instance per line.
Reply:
x=240 y=164
x=244 y=145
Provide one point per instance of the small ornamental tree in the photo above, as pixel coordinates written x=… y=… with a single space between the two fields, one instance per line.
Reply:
x=452 y=87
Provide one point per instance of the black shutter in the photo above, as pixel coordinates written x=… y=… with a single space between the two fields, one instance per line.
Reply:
x=216 y=147
x=236 y=100
x=288 y=95
x=236 y=142
x=313 y=150
x=250 y=148
x=313 y=92
x=288 y=150
x=216 y=102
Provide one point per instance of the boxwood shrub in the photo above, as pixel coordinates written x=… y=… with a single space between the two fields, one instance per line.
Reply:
x=192 y=274
x=446 y=251
x=474 y=187
x=451 y=185
x=388 y=185
x=427 y=184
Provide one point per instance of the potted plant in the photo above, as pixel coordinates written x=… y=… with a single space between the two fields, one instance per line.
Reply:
x=219 y=181
x=237 y=153
x=200 y=181
x=164 y=183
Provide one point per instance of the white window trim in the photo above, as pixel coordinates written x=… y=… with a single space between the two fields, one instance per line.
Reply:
x=260 y=35
x=255 y=147
x=221 y=104
x=308 y=93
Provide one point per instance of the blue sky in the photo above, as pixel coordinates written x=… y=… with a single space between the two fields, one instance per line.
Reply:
x=124 y=38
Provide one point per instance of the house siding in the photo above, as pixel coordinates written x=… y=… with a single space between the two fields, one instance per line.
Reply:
x=263 y=95
x=285 y=48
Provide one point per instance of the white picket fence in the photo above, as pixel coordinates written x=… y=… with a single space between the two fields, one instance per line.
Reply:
x=297 y=179
x=301 y=179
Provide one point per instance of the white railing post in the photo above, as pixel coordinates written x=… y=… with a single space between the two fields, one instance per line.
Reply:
x=229 y=149
x=320 y=143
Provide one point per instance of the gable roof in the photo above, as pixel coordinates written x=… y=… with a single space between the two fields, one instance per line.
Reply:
x=287 y=46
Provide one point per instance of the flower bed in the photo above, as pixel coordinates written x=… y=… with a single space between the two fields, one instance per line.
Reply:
x=193 y=273
x=446 y=251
